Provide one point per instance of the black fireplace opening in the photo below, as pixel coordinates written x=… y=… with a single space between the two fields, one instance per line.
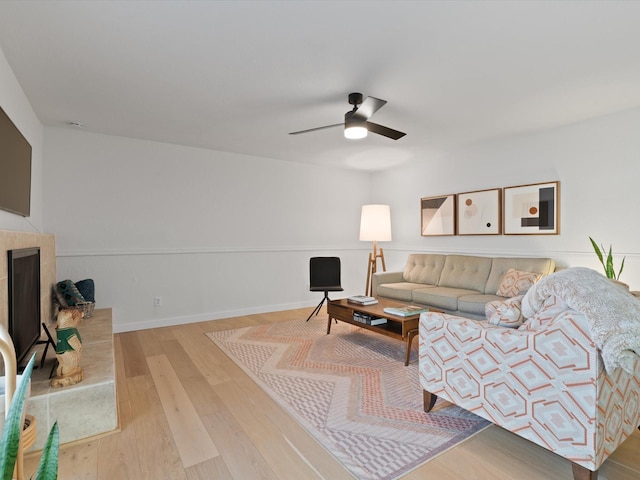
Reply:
x=24 y=299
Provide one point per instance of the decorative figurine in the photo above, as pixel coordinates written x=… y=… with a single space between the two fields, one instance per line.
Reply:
x=68 y=349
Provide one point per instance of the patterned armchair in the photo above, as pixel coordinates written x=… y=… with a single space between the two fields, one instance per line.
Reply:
x=544 y=380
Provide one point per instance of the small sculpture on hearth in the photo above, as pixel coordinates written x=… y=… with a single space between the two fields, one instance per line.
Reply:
x=68 y=349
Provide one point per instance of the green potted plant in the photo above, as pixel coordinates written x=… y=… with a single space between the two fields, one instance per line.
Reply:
x=48 y=468
x=607 y=263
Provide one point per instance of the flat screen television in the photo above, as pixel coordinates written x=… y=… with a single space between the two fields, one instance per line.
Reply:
x=15 y=168
x=24 y=299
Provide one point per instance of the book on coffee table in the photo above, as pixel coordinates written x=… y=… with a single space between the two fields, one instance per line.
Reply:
x=368 y=319
x=362 y=300
x=406 y=311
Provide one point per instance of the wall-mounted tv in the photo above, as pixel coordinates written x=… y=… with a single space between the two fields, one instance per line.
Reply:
x=15 y=168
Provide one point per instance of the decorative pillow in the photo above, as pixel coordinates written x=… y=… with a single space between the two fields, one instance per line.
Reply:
x=67 y=291
x=507 y=313
x=551 y=308
x=516 y=282
x=87 y=289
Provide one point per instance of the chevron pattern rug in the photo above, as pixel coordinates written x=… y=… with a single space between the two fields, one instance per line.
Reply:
x=351 y=391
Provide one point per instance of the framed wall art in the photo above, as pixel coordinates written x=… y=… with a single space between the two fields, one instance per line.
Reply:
x=438 y=215
x=532 y=209
x=479 y=213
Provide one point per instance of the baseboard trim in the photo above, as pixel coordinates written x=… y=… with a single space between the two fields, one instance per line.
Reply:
x=204 y=317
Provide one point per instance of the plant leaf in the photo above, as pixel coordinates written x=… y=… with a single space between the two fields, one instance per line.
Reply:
x=609 y=269
x=621 y=267
x=598 y=252
x=48 y=468
x=607 y=263
x=13 y=425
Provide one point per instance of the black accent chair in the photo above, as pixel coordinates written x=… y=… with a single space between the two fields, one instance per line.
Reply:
x=324 y=276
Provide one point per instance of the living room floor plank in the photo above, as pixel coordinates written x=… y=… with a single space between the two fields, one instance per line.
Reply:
x=150 y=342
x=118 y=453
x=239 y=454
x=157 y=450
x=191 y=437
x=77 y=461
x=206 y=361
x=265 y=435
x=254 y=436
x=214 y=469
x=134 y=359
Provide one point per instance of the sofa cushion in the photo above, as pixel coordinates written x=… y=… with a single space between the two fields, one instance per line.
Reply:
x=516 y=282
x=466 y=272
x=500 y=265
x=87 y=289
x=423 y=268
x=505 y=313
x=441 y=297
x=476 y=303
x=68 y=294
x=399 y=291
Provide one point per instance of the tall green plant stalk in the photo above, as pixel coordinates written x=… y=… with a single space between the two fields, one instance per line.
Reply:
x=607 y=263
x=48 y=469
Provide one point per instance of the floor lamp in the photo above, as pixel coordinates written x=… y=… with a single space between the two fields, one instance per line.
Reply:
x=375 y=226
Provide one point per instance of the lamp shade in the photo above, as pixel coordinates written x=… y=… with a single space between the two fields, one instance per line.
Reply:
x=375 y=223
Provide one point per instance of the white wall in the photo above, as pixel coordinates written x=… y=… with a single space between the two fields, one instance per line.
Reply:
x=597 y=163
x=15 y=104
x=217 y=234
x=213 y=234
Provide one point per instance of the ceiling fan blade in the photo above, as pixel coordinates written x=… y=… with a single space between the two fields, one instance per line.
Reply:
x=385 y=131
x=370 y=106
x=317 y=128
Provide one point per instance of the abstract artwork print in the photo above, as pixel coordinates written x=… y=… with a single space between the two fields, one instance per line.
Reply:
x=531 y=209
x=438 y=215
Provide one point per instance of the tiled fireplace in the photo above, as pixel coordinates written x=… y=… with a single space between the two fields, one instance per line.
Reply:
x=90 y=407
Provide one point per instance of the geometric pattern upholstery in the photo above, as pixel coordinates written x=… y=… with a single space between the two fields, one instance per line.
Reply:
x=544 y=381
x=516 y=282
x=506 y=313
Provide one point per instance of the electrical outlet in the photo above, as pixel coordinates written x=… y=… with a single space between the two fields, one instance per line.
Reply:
x=157 y=302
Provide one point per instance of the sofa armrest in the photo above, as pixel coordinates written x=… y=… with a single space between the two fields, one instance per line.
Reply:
x=462 y=334
x=540 y=384
x=380 y=278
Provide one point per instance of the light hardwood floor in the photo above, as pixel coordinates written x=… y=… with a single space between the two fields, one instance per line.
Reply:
x=188 y=412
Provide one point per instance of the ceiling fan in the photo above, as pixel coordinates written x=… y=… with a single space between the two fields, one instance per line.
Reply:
x=356 y=121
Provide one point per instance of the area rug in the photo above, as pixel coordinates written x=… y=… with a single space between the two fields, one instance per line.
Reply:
x=351 y=391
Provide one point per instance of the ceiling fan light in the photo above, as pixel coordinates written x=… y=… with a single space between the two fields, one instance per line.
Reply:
x=354 y=128
x=355 y=132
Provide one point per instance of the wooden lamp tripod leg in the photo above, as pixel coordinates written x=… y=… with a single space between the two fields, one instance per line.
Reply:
x=370 y=271
x=372 y=267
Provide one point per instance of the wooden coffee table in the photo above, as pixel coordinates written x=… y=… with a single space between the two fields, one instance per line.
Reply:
x=401 y=328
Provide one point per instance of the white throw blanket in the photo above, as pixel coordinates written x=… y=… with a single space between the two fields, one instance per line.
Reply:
x=613 y=314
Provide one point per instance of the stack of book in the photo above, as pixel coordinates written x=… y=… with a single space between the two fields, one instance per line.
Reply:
x=362 y=300
x=368 y=319
x=408 y=311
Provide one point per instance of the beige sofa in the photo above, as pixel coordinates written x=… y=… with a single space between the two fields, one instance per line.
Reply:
x=457 y=284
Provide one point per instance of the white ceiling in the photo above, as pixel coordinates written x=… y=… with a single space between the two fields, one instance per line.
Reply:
x=238 y=76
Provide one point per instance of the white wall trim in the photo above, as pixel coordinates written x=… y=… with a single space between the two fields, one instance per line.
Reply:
x=202 y=250
x=324 y=248
x=204 y=317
